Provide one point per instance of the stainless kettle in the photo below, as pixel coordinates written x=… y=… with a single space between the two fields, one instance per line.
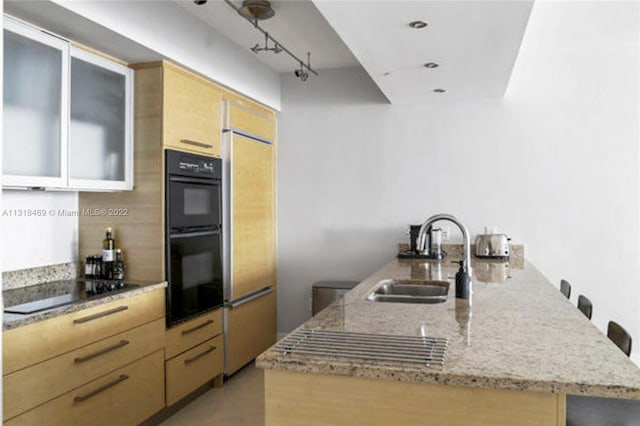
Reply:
x=493 y=246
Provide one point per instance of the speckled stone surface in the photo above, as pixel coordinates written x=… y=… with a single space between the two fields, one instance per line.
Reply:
x=32 y=276
x=56 y=288
x=518 y=334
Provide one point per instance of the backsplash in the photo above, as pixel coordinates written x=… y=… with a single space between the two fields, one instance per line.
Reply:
x=41 y=274
x=456 y=252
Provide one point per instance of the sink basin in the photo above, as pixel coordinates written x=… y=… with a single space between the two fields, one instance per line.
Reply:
x=410 y=291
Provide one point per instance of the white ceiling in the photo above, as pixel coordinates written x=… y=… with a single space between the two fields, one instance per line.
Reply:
x=474 y=42
x=297 y=25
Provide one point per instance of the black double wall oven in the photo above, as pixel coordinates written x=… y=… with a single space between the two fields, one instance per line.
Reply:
x=193 y=235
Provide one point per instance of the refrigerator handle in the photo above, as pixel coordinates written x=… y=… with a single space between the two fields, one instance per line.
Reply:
x=250 y=297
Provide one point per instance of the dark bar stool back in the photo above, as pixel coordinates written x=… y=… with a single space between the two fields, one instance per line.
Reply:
x=596 y=411
x=585 y=306
x=619 y=336
x=565 y=288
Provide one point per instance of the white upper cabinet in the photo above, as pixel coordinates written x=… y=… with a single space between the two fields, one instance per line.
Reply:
x=35 y=108
x=100 y=131
x=68 y=115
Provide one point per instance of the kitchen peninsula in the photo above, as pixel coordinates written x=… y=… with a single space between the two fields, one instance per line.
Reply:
x=512 y=357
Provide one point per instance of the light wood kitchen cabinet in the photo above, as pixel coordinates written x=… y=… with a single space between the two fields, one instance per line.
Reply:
x=191 y=333
x=42 y=340
x=251 y=329
x=192 y=112
x=67 y=116
x=126 y=396
x=194 y=368
x=73 y=360
x=194 y=355
x=250 y=118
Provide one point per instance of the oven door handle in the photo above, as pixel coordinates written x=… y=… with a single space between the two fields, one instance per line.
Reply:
x=209 y=181
x=249 y=297
x=194 y=234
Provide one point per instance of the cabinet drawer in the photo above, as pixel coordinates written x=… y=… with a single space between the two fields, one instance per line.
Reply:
x=126 y=396
x=251 y=329
x=194 y=368
x=193 y=332
x=29 y=387
x=40 y=341
x=192 y=112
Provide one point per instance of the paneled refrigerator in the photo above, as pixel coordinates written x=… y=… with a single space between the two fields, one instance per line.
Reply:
x=249 y=247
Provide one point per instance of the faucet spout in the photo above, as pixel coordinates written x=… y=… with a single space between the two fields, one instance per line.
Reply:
x=463 y=277
x=422 y=246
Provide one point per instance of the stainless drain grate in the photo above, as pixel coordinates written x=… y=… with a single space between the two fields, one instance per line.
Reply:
x=378 y=347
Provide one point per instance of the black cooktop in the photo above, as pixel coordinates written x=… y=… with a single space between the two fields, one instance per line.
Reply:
x=67 y=292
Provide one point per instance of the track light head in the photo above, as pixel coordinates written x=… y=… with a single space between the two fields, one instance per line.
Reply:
x=301 y=74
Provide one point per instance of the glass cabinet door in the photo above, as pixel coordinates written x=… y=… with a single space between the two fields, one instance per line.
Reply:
x=35 y=108
x=100 y=139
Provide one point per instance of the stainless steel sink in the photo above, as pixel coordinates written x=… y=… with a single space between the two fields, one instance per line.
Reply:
x=410 y=291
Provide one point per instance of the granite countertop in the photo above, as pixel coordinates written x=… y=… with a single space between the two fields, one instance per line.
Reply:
x=31 y=293
x=519 y=333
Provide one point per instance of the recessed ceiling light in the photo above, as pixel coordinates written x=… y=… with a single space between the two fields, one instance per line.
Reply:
x=439 y=90
x=431 y=65
x=416 y=25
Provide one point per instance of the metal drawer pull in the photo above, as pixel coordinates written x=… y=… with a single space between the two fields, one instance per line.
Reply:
x=197 y=327
x=120 y=379
x=100 y=315
x=250 y=297
x=200 y=355
x=101 y=352
x=196 y=143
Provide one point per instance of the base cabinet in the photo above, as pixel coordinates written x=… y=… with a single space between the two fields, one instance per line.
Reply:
x=126 y=396
x=194 y=355
x=320 y=399
x=251 y=329
x=102 y=365
x=194 y=368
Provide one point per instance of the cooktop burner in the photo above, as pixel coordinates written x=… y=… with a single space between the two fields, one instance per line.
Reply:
x=73 y=291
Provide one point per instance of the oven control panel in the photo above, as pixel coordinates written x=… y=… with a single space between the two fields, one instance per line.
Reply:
x=192 y=165
x=200 y=166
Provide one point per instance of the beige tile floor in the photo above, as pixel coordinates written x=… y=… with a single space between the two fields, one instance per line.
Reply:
x=240 y=402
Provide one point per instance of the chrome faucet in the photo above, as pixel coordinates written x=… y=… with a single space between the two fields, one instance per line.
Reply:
x=463 y=282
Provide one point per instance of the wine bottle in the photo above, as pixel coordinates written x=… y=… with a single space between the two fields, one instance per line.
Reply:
x=108 y=255
x=108 y=245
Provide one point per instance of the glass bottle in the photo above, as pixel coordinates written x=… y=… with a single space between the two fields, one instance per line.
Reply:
x=108 y=255
x=118 y=269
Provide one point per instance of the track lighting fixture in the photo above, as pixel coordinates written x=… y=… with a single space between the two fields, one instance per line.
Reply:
x=275 y=49
x=256 y=9
x=301 y=74
x=305 y=68
x=200 y=2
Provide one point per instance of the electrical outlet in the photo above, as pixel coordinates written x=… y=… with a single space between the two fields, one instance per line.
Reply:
x=445 y=233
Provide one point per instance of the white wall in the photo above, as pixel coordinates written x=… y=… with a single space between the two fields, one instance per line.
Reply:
x=187 y=41
x=554 y=164
x=1 y=202
x=28 y=242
